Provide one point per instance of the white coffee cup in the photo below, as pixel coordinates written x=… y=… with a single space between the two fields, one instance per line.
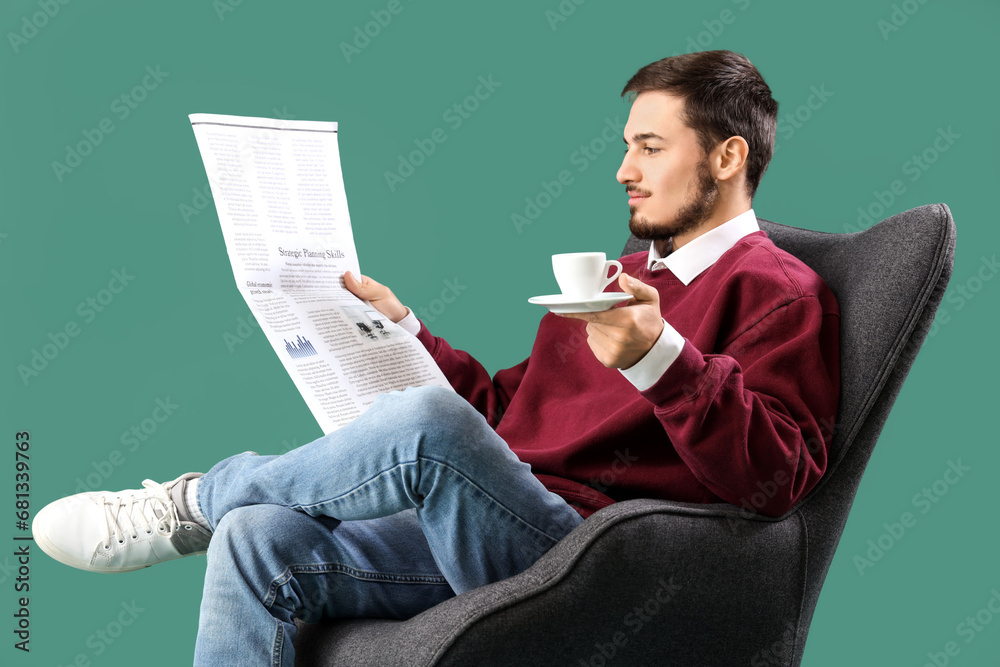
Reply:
x=583 y=275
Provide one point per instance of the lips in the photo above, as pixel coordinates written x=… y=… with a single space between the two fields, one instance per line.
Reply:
x=635 y=197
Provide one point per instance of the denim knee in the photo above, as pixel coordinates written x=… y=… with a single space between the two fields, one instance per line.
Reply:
x=252 y=548
x=432 y=404
x=438 y=412
x=248 y=533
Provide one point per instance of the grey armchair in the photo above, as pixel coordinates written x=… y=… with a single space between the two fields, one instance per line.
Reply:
x=649 y=582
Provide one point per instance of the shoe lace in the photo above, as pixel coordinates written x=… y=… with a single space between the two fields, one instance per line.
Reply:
x=127 y=515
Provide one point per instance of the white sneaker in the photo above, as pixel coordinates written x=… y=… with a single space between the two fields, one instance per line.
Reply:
x=103 y=531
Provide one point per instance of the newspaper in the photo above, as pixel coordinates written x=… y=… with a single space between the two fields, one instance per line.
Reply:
x=279 y=193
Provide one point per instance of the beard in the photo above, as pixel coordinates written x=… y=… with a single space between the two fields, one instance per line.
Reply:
x=692 y=215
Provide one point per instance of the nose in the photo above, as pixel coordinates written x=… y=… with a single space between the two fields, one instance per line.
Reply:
x=627 y=172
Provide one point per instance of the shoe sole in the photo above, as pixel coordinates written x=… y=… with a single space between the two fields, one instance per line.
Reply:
x=56 y=554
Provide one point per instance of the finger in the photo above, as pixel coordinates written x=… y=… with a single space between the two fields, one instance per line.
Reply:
x=599 y=318
x=615 y=316
x=597 y=334
x=640 y=291
x=608 y=336
x=598 y=343
x=360 y=285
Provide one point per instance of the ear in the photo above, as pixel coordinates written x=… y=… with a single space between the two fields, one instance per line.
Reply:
x=729 y=158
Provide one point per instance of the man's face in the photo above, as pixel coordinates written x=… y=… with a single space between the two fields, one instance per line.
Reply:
x=671 y=190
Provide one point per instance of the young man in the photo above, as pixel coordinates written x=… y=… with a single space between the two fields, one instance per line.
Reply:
x=718 y=379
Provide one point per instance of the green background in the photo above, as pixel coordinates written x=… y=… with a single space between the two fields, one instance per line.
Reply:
x=162 y=337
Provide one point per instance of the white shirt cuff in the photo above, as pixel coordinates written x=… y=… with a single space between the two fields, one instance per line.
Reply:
x=645 y=372
x=410 y=322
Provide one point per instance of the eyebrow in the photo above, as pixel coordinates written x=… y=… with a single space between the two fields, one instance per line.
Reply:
x=642 y=136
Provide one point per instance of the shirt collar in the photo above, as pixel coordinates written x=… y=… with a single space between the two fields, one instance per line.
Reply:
x=689 y=261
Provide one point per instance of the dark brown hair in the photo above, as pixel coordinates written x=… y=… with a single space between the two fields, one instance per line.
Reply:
x=724 y=96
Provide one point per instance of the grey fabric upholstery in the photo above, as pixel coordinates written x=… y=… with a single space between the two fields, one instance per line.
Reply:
x=649 y=582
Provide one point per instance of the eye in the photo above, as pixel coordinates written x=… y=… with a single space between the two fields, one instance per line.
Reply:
x=649 y=150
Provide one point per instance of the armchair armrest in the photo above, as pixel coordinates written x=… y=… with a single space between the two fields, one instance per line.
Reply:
x=657 y=578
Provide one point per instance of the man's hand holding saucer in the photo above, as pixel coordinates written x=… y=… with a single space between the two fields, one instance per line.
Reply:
x=621 y=336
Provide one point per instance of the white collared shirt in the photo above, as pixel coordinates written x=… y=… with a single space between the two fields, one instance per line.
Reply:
x=703 y=251
x=687 y=263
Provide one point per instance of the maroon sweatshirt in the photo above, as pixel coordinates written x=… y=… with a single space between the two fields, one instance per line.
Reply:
x=745 y=415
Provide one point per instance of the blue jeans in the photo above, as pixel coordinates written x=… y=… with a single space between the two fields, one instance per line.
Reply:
x=417 y=500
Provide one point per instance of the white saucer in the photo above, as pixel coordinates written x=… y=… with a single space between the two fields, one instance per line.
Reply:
x=558 y=303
